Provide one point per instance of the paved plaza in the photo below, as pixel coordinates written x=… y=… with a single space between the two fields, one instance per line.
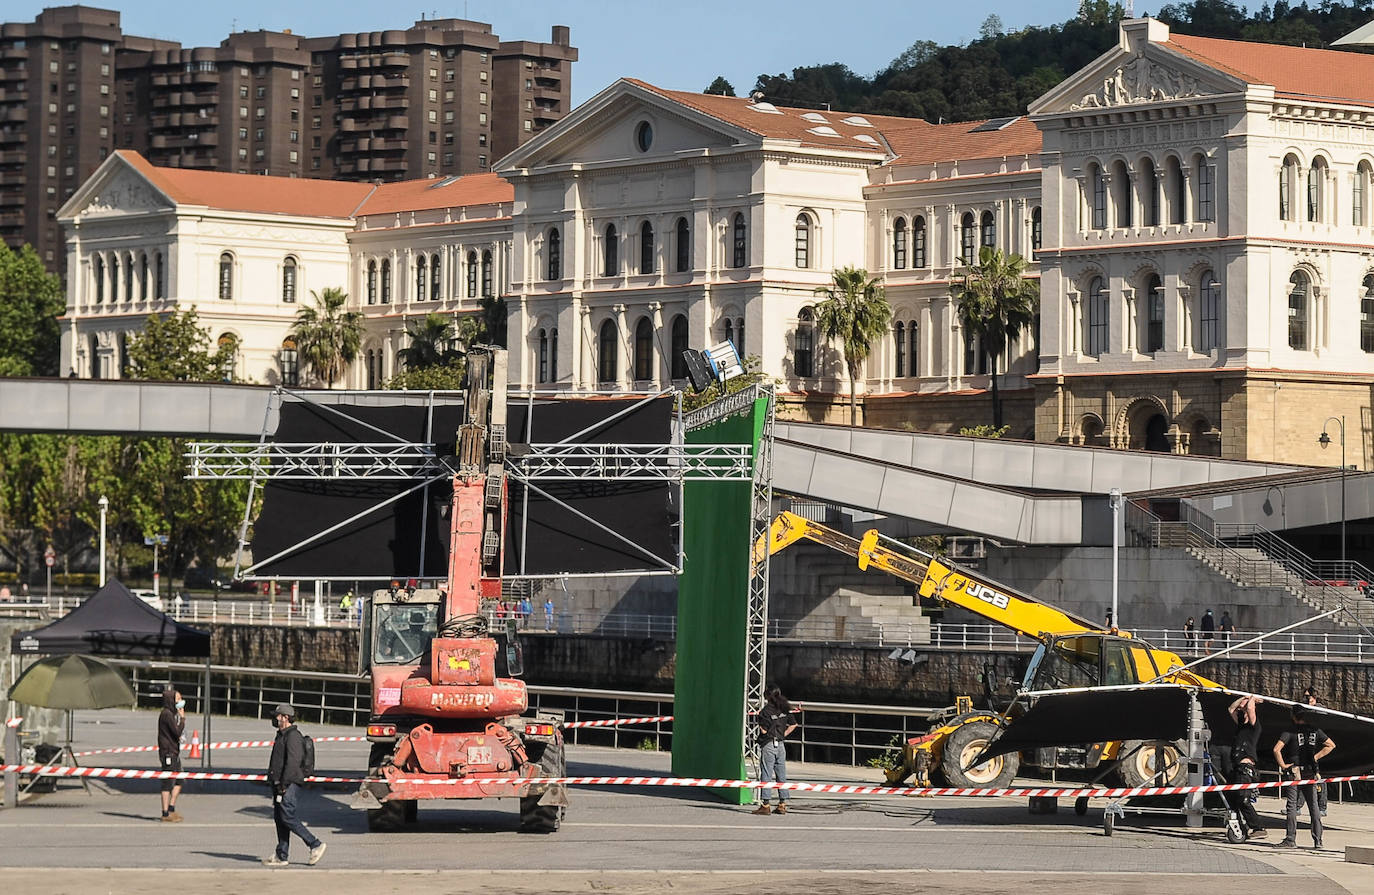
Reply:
x=626 y=840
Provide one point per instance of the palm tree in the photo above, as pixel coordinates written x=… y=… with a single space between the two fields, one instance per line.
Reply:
x=854 y=313
x=328 y=337
x=996 y=301
x=431 y=343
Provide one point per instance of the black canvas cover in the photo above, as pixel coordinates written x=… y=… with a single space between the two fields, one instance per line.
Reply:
x=114 y=622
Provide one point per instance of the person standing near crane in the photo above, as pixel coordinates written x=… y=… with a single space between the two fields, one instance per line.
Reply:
x=775 y=719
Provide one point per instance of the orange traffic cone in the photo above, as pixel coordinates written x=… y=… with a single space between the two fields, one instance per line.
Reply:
x=195 y=744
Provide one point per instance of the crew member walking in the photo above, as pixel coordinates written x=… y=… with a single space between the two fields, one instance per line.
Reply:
x=171 y=723
x=775 y=721
x=286 y=777
x=1209 y=628
x=1297 y=752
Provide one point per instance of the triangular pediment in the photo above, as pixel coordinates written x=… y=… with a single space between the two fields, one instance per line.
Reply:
x=116 y=188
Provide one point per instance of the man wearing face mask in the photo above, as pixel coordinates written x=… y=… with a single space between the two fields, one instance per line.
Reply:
x=171 y=723
x=286 y=776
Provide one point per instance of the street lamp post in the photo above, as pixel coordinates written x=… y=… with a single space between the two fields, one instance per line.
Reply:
x=104 y=504
x=1116 y=540
x=1324 y=439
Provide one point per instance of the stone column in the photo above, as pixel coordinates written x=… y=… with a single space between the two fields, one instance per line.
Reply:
x=662 y=370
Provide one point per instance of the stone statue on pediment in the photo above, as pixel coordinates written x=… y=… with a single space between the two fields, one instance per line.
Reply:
x=1139 y=81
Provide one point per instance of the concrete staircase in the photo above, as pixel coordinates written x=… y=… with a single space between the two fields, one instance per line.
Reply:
x=1252 y=567
x=818 y=594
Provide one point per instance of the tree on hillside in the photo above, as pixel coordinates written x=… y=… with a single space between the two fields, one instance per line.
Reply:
x=176 y=348
x=854 y=313
x=30 y=302
x=720 y=87
x=328 y=336
x=995 y=302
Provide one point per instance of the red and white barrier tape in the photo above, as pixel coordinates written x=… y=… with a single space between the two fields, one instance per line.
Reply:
x=617 y=722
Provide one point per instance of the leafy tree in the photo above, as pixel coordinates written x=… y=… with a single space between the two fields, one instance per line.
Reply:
x=985 y=431
x=328 y=336
x=854 y=313
x=995 y=302
x=720 y=87
x=440 y=377
x=30 y=302
x=431 y=343
x=992 y=27
x=491 y=326
x=175 y=348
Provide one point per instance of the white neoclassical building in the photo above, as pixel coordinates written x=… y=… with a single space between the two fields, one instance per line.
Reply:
x=1197 y=212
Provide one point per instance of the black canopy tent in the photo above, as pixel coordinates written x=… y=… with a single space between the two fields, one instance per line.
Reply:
x=114 y=622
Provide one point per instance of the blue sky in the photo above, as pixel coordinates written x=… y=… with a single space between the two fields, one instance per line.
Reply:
x=680 y=46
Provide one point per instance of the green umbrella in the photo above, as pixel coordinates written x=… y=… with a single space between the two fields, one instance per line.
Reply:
x=72 y=682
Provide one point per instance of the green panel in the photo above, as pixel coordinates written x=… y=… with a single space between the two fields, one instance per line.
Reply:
x=712 y=616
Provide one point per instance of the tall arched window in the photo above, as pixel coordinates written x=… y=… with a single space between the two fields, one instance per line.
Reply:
x=288 y=279
x=543 y=374
x=114 y=278
x=1288 y=183
x=1097 y=186
x=918 y=243
x=607 y=361
x=740 y=255
x=159 y=290
x=1121 y=193
x=803 y=356
x=1096 y=325
x=370 y=363
x=803 y=240
x=987 y=230
x=226 y=277
x=1149 y=193
x=371 y=283
x=553 y=354
x=124 y=355
x=899 y=244
x=739 y=336
x=683 y=240
x=610 y=250
x=1209 y=317
x=472 y=274
x=1359 y=195
x=679 y=345
x=644 y=350
x=913 y=338
x=1206 y=188
x=129 y=277
x=290 y=364
x=1154 y=314
x=968 y=249
x=555 y=259
x=1037 y=229
x=1367 y=314
x=1299 y=309
x=433 y=277
x=143 y=276
x=486 y=275
x=98 y=271
x=97 y=367
x=230 y=343
x=730 y=331
x=899 y=346
x=646 y=248
x=386 y=281
x=1176 y=186
x=421 y=277
x=1316 y=181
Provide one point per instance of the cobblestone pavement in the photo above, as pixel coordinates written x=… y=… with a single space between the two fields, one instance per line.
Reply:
x=627 y=841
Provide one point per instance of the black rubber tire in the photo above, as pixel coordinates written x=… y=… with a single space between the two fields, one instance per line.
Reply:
x=1080 y=806
x=963 y=745
x=1138 y=768
x=391 y=817
x=1108 y=822
x=537 y=818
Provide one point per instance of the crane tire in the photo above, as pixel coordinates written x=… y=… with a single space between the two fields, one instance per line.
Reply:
x=392 y=816
x=963 y=745
x=1138 y=766
x=546 y=818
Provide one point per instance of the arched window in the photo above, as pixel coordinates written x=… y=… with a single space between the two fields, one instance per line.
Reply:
x=968 y=249
x=555 y=259
x=1316 y=180
x=606 y=360
x=646 y=248
x=486 y=275
x=899 y=344
x=372 y=282
x=97 y=368
x=543 y=375
x=913 y=354
x=553 y=354
x=1149 y=193
x=421 y=277
x=433 y=276
x=740 y=256
x=1359 y=194
x=98 y=269
x=288 y=279
x=1096 y=341
x=129 y=277
x=975 y=358
x=683 y=239
x=730 y=331
x=1177 y=188
x=803 y=240
x=987 y=230
x=918 y=243
x=1097 y=187
x=610 y=251
x=1154 y=314
x=1299 y=301
x=124 y=355
x=290 y=364
x=226 y=277
x=803 y=359
x=1037 y=229
x=1367 y=314
x=1121 y=193
x=644 y=350
x=739 y=336
x=472 y=274
x=1288 y=182
x=1206 y=188
x=143 y=276
x=229 y=342
x=899 y=244
x=370 y=362
x=114 y=278
x=1209 y=317
x=679 y=345
x=158 y=291
x=386 y=281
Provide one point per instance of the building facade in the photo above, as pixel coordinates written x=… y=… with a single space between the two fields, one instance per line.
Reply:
x=1197 y=213
x=444 y=97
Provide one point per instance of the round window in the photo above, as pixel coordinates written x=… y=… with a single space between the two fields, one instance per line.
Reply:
x=644 y=136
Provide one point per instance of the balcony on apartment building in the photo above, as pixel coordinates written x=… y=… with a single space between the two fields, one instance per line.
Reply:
x=12 y=157
x=368 y=103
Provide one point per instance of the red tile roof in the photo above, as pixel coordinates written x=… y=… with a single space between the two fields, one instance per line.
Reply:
x=253 y=192
x=419 y=195
x=948 y=142
x=1294 y=72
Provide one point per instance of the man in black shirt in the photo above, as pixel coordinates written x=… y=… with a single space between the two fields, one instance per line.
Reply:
x=171 y=723
x=1209 y=627
x=1237 y=764
x=286 y=776
x=775 y=721
x=1297 y=752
